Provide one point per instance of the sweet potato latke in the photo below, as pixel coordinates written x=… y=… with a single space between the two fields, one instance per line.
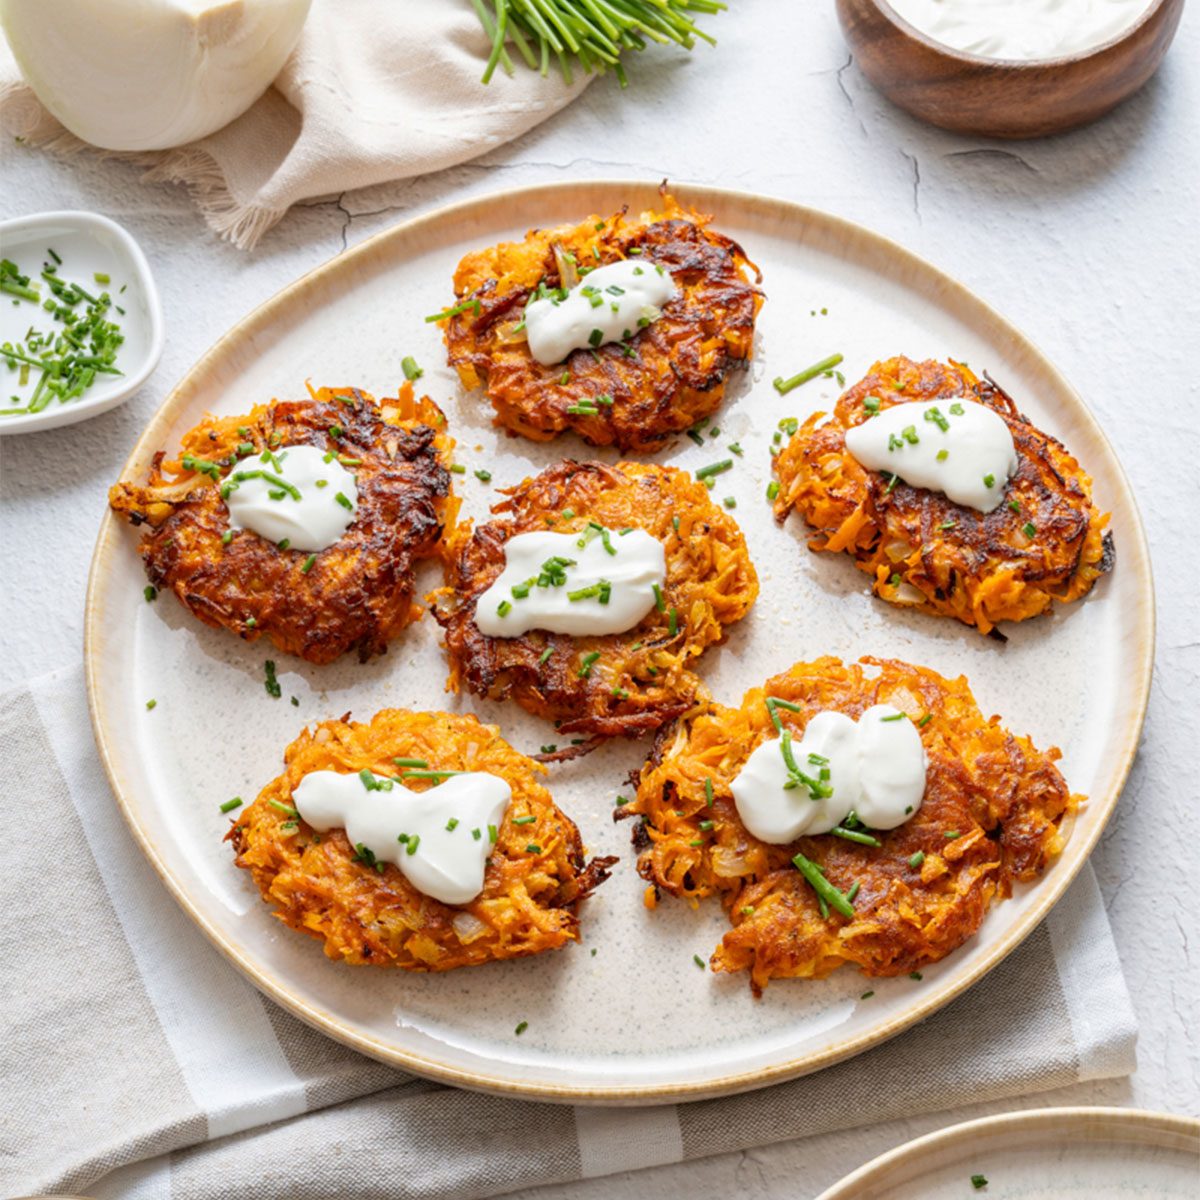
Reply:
x=923 y=550
x=661 y=381
x=992 y=813
x=372 y=914
x=358 y=593
x=620 y=684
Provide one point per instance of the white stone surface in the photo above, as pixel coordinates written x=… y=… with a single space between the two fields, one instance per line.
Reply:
x=1089 y=241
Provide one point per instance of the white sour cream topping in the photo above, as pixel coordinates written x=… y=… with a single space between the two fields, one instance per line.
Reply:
x=876 y=767
x=1025 y=30
x=448 y=864
x=958 y=447
x=308 y=513
x=627 y=577
x=603 y=306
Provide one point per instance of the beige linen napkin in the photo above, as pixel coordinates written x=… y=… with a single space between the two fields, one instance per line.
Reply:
x=136 y=1063
x=375 y=90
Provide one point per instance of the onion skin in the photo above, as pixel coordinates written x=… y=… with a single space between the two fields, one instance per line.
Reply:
x=139 y=75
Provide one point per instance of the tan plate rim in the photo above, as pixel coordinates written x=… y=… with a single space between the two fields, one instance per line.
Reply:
x=1139 y=1125
x=606 y=192
x=1022 y=65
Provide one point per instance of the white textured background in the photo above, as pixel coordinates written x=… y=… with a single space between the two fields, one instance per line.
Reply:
x=1090 y=242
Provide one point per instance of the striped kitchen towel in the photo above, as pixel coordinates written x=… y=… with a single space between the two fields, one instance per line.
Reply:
x=136 y=1063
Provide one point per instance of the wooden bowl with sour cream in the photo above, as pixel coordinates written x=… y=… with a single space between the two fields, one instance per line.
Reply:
x=1000 y=97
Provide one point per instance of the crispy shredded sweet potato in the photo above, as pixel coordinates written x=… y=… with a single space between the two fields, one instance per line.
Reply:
x=923 y=550
x=992 y=814
x=372 y=914
x=641 y=678
x=358 y=594
x=661 y=381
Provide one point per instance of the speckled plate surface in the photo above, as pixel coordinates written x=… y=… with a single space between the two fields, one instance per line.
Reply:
x=635 y=1021
x=1042 y=1154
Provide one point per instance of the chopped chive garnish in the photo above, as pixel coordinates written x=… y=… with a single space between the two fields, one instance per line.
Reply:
x=455 y=311
x=287 y=809
x=989 y=480
x=343 y=501
x=824 y=889
x=1029 y=529
x=915 y=861
x=419 y=763
x=151 y=704
x=585 y=668
x=533 y=848
x=270 y=682
x=852 y=835
x=483 y=476
x=452 y=825
x=706 y=825
x=150 y=592
x=978 y=1181
x=916 y=975
x=951 y=834
x=924 y=720
x=545 y=656
x=698 y=961
x=230 y=805
x=413 y=842
x=772 y=490
x=716 y=468
x=853 y=891
x=783 y=386
x=477 y=834
x=503 y=608
x=527 y=820
x=673 y=622
x=493 y=834
x=524 y=1025
x=309 y=563
x=708 y=791
x=408 y=365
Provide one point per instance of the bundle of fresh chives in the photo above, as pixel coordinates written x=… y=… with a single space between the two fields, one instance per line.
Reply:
x=594 y=32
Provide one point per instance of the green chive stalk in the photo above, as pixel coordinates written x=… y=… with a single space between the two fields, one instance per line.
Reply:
x=591 y=35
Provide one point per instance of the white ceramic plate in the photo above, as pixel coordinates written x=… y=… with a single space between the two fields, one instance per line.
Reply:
x=1078 y=679
x=88 y=244
x=1043 y=1154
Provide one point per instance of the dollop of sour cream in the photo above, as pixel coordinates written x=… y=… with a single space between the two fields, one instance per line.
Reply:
x=957 y=447
x=873 y=767
x=595 y=581
x=1022 y=30
x=298 y=494
x=443 y=862
x=608 y=304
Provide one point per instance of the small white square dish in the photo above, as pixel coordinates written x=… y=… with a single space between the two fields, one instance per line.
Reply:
x=96 y=254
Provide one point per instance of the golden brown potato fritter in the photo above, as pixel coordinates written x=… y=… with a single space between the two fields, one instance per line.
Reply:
x=371 y=913
x=923 y=550
x=618 y=684
x=992 y=814
x=355 y=595
x=633 y=394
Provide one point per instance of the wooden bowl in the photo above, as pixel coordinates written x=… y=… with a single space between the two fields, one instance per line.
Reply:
x=1000 y=97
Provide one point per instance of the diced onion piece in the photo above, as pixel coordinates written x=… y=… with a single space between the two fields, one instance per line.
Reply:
x=469 y=927
x=511 y=333
x=897 y=551
x=907 y=594
x=650 y=312
x=568 y=275
x=728 y=864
